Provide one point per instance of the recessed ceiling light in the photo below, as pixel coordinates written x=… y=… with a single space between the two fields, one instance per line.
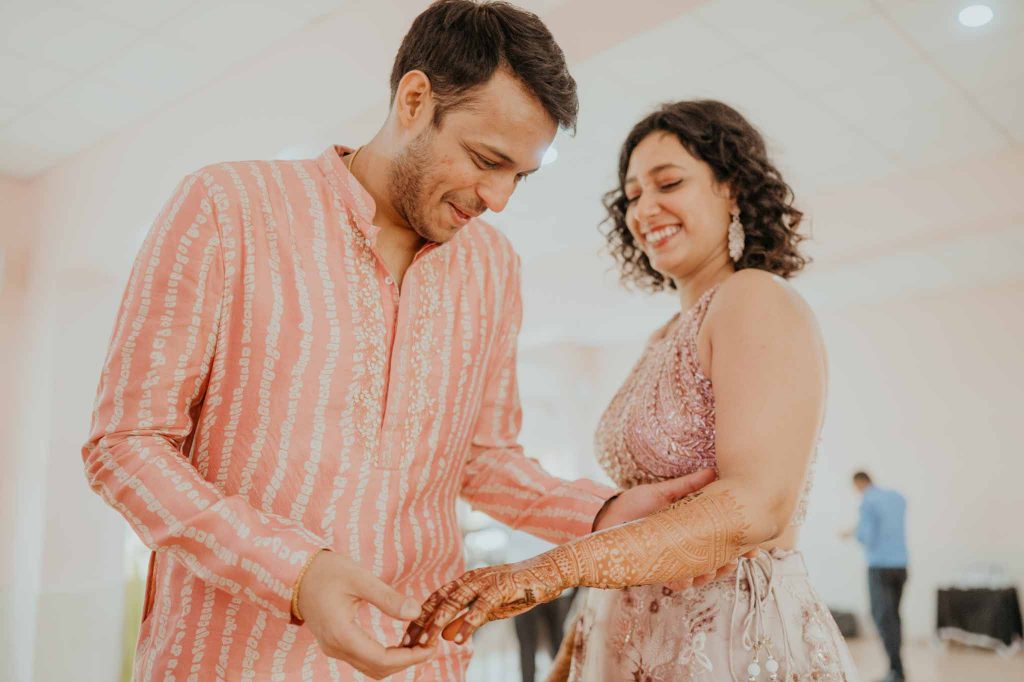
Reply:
x=550 y=156
x=975 y=15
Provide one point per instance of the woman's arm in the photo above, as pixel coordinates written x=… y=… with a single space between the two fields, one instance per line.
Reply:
x=762 y=348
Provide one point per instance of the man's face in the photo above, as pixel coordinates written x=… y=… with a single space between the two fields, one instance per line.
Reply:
x=861 y=486
x=473 y=161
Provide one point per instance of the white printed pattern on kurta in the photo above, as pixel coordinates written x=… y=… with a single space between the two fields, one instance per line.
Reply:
x=266 y=395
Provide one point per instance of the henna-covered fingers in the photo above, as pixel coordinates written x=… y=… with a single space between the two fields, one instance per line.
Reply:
x=486 y=594
x=416 y=633
x=480 y=612
x=696 y=536
x=456 y=602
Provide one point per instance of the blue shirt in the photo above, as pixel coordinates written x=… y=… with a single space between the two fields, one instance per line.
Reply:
x=882 y=528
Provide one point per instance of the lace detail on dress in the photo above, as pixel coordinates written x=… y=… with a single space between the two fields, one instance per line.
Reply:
x=661 y=423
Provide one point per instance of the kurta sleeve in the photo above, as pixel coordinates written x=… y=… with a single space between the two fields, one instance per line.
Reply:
x=149 y=400
x=500 y=479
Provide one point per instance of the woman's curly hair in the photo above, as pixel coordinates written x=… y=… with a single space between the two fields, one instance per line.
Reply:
x=718 y=135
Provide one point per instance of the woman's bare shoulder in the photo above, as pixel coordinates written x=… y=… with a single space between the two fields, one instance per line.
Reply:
x=752 y=295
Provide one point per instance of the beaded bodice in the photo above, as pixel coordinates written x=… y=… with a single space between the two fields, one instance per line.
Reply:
x=661 y=423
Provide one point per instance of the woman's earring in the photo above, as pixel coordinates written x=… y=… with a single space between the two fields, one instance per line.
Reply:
x=736 y=236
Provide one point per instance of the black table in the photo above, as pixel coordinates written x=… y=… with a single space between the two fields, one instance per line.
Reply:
x=980 y=617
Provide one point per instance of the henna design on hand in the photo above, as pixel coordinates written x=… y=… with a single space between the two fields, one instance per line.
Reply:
x=692 y=537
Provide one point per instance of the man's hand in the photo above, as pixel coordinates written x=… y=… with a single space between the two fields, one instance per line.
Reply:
x=643 y=500
x=330 y=594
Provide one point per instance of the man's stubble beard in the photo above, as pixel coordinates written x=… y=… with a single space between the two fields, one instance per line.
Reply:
x=406 y=180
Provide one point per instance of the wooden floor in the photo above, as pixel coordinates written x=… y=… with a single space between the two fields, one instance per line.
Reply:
x=928 y=662
x=497 y=660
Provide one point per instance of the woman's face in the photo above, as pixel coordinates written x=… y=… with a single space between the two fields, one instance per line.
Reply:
x=676 y=211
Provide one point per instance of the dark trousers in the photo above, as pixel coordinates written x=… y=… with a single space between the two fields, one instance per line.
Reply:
x=545 y=620
x=885 y=586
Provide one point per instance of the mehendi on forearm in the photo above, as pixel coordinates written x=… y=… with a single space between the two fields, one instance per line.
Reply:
x=693 y=537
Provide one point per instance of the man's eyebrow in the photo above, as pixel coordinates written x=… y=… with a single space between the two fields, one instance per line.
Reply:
x=505 y=157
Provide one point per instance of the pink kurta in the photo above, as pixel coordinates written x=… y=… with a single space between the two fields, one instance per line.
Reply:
x=269 y=391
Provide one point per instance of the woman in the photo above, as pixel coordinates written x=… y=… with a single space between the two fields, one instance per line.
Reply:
x=735 y=381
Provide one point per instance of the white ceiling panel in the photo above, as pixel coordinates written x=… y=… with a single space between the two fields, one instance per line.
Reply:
x=140 y=14
x=945 y=131
x=983 y=65
x=832 y=160
x=105 y=107
x=24 y=81
x=889 y=91
x=770 y=23
x=160 y=70
x=1005 y=104
x=234 y=30
x=61 y=36
x=743 y=84
x=7 y=113
x=811 y=74
x=675 y=53
x=933 y=24
x=52 y=132
x=824 y=59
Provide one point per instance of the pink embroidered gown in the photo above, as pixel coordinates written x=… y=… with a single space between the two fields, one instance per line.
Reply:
x=661 y=425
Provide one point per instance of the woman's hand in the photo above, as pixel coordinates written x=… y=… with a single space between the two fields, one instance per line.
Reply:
x=489 y=594
x=500 y=592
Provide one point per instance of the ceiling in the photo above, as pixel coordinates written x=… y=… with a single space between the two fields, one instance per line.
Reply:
x=885 y=116
x=843 y=87
x=75 y=71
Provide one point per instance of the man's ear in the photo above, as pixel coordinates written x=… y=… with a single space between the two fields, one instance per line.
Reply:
x=414 y=100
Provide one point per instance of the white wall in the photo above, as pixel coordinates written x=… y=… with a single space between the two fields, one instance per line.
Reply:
x=25 y=314
x=925 y=393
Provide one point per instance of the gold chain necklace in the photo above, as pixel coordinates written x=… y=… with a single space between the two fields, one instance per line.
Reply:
x=352 y=159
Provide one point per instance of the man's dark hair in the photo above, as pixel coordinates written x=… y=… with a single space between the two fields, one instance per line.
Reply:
x=861 y=477
x=459 y=44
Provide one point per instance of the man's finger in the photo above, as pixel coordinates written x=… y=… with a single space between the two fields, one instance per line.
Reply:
x=677 y=488
x=399 y=658
x=384 y=597
x=370 y=656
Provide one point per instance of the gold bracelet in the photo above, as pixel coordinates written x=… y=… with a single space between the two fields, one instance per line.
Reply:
x=298 y=583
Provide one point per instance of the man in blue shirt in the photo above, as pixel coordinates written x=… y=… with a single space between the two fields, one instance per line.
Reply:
x=882 y=531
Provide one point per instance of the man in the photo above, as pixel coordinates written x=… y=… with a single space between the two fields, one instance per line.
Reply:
x=320 y=355
x=882 y=531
